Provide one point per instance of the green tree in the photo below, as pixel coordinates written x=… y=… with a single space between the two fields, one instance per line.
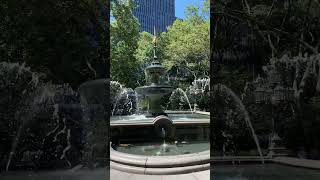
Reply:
x=265 y=31
x=124 y=43
x=144 y=52
x=277 y=27
x=188 y=43
x=65 y=40
x=247 y=34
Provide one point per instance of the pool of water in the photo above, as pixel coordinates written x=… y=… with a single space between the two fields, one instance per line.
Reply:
x=160 y=149
x=263 y=172
x=173 y=117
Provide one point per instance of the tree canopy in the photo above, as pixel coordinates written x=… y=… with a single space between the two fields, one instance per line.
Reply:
x=124 y=42
x=65 y=40
x=186 y=44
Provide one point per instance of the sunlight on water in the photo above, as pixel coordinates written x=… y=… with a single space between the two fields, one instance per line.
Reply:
x=153 y=149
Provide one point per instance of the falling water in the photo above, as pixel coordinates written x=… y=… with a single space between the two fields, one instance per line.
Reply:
x=125 y=93
x=185 y=96
x=137 y=102
x=163 y=135
x=116 y=91
x=163 y=147
x=116 y=103
x=26 y=119
x=201 y=84
x=246 y=116
x=199 y=90
x=13 y=147
x=14 y=73
x=129 y=94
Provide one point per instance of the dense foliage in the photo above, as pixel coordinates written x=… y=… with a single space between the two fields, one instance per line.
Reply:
x=65 y=40
x=279 y=41
x=40 y=122
x=188 y=44
x=185 y=45
x=124 y=35
x=42 y=44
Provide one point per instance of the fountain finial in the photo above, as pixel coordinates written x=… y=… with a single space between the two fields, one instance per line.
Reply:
x=154 y=41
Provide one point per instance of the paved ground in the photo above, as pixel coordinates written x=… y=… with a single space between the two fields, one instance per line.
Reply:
x=310 y=164
x=227 y=172
x=119 y=175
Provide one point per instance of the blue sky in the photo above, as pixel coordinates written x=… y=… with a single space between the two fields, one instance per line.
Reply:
x=182 y=4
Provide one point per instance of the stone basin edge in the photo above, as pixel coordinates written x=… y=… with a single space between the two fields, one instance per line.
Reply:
x=160 y=161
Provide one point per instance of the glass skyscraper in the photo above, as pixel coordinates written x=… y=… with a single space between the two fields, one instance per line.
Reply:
x=155 y=13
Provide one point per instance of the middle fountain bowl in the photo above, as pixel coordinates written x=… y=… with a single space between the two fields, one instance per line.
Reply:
x=154 y=94
x=155 y=88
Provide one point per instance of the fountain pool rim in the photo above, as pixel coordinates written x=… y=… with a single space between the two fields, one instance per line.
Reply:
x=149 y=121
x=177 y=164
x=161 y=165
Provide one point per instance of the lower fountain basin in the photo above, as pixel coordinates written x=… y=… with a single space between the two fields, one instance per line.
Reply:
x=137 y=147
x=159 y=165
x=167 y=149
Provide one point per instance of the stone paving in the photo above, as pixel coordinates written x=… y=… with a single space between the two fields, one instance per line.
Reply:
x=105 y=174
x=202 y=175
x=119 y=175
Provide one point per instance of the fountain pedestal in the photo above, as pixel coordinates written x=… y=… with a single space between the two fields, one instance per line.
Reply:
x=275 y=148
x=154 y=108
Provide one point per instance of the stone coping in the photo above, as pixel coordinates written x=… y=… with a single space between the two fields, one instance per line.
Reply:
x=187 y=112
x=289 y=161
x=202 y=112
x=160 y=161
x=148 y=122
x=177 y=164
x=238 y=158
x=159 y=171
x=175 y=122
x=296 y=162
x=232 y=160
x=197 y=162
x=184 y=112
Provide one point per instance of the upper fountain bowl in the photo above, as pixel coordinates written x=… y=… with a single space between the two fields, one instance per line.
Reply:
x=154 y=90
x=155 y=67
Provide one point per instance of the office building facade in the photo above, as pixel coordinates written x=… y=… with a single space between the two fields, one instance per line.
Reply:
x=155 y=13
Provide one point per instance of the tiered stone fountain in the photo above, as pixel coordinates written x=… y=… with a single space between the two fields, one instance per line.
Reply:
x=159 y=142
x=155 y=88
